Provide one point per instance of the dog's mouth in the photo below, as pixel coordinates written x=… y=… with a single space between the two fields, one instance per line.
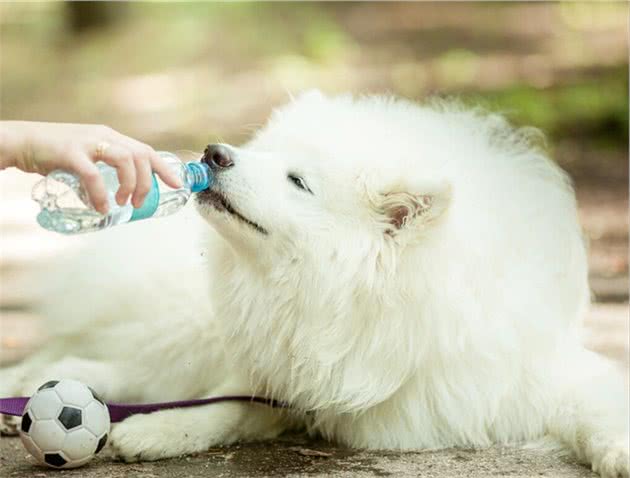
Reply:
x=220 y=203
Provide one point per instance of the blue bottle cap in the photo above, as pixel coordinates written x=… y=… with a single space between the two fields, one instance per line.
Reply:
x=199 y=176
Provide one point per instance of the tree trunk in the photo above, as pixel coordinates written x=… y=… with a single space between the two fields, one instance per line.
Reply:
x=85 y=16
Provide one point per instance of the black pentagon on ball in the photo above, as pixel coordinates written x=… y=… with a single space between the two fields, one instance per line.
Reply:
x=95 y=395
x=50 y=384
x=55 y=459
x=70 y=417
x=101 y=443
x=26 y=422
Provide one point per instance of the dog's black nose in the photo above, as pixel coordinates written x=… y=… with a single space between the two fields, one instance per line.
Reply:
x=217 y=156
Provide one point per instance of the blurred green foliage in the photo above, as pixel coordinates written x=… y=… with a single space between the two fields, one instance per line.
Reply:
x=590 y=108
x=173 y=72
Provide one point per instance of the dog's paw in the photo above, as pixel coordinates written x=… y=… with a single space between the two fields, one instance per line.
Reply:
x=10 y=386
x=613 y=461
x=149 y=438
x=9 y=425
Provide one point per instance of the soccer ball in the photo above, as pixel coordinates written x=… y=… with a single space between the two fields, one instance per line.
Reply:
x=64 y=424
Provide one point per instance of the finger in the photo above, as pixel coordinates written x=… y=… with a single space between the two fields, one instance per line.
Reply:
x=80 y=164
x=144 y=181
x=164 y=171
x=158 y=164
x=119 y=157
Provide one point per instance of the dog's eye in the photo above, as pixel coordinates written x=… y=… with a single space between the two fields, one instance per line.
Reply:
x=299 y=183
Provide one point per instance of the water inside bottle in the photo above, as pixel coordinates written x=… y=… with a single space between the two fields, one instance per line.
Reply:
x=65 y=207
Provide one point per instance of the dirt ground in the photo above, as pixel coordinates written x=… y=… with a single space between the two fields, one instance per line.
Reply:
x=297 y=456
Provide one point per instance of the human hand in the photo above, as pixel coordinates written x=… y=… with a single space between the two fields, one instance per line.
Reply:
x=37 y=147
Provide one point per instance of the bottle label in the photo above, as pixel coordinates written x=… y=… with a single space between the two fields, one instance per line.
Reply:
x=150 y=204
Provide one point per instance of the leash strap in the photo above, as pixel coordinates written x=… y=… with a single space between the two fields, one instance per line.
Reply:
x=119 y=411
x=13 y=406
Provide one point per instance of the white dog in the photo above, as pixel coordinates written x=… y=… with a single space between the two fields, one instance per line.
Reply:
x=405 y=277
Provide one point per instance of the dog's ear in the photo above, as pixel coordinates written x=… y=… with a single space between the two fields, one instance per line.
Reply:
x=414 y=208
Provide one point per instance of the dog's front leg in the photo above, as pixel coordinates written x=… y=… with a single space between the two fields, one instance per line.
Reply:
x=177 y=432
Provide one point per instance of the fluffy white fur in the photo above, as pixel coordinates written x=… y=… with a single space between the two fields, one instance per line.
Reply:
x=427 y=294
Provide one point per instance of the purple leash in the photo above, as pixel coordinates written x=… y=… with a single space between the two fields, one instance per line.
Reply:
x=119 y=411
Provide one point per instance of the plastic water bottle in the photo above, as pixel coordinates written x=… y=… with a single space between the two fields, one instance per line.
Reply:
x=66 y=208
